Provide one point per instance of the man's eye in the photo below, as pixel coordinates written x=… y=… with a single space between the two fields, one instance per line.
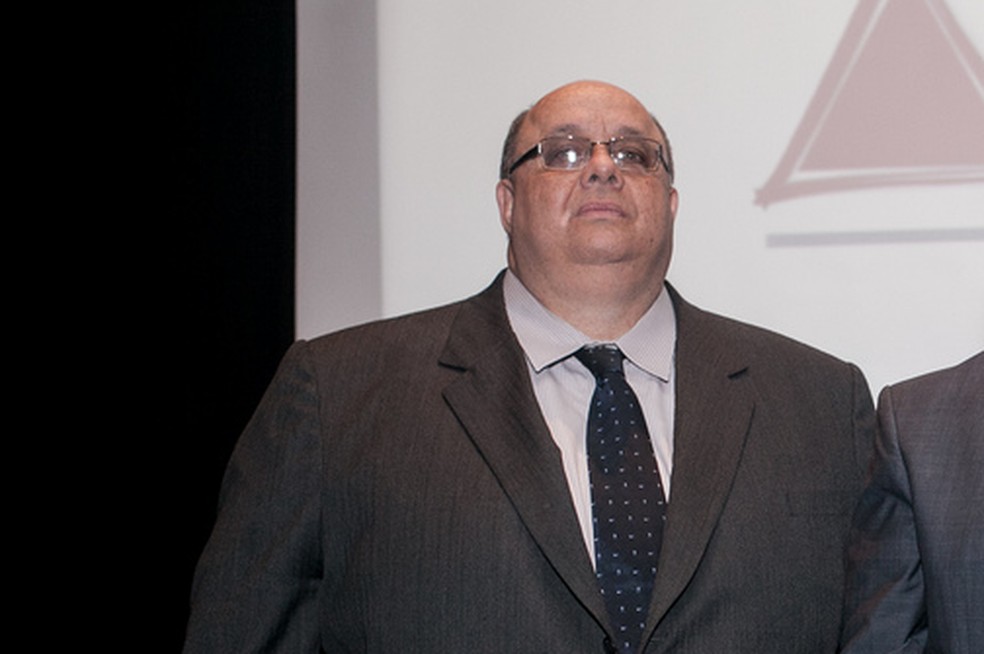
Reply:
x=634 y=156
x=560 y=157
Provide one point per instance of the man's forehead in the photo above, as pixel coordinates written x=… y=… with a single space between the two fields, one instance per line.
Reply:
x=585 y=109
x=599 y=127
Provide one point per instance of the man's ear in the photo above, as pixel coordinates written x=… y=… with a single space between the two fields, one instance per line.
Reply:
x=505 y=197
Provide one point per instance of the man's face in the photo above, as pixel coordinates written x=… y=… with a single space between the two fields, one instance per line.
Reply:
x=568 y=223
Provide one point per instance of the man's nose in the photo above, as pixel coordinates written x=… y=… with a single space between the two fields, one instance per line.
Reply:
x=601 y=168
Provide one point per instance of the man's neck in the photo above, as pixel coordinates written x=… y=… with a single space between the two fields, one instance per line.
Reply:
x=602 y=306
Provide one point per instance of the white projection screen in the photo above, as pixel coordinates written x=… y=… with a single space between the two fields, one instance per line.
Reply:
x=830 y=157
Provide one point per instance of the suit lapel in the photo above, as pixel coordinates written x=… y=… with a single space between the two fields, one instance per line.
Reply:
x=494 y=401
x=714 y=407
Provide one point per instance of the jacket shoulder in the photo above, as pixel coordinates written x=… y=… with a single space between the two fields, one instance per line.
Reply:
x=963 y=378
x=753 y=344
x=427 y=330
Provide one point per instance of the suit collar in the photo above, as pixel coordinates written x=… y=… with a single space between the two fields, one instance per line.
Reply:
x=494 y=401
x=714 y=407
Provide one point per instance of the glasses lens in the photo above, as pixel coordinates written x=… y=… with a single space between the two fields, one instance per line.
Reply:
x=630 y=153
x=565 y=153
x=635 y=153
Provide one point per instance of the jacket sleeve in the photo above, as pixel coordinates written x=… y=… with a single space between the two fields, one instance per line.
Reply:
x=257 y=583
x=884 y=608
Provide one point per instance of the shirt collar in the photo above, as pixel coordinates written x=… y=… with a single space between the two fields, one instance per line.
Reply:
x=546 y=338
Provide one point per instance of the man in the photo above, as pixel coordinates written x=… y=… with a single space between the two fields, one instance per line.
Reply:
x=916 y=559
x=427 y=484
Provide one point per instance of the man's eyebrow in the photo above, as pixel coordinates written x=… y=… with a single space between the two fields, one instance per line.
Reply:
x=571 y=129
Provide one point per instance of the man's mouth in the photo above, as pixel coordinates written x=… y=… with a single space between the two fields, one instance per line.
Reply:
x=600 y=208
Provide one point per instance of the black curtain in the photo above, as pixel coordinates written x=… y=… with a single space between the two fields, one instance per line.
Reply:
x=230 y=300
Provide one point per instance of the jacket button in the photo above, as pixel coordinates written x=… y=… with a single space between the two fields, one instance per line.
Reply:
x=609 y=647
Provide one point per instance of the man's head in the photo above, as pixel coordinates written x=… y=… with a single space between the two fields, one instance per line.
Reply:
x=600 y=217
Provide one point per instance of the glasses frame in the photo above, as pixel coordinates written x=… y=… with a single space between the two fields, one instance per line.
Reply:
x=537 y=150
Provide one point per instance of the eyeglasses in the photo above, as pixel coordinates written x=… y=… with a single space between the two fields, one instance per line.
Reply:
x=632 y=154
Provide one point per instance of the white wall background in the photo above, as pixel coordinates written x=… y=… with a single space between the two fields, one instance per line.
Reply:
x=730 y=82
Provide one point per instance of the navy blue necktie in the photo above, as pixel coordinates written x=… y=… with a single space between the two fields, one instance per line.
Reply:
x=627 y=500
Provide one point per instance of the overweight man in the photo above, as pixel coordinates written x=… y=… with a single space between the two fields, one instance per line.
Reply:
x=573 y=460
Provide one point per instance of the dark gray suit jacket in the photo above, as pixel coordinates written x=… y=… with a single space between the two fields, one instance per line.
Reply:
x=916 y=561
x=398 y=491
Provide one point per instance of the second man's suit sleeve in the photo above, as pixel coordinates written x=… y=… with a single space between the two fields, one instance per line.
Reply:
x=884 y=609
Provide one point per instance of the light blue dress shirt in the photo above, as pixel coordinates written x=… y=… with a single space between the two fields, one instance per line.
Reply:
x=563 y=386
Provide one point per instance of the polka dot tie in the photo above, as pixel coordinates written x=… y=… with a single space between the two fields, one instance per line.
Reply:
x=627 y=500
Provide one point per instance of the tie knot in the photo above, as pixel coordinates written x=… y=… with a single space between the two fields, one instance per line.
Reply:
x=601 y=360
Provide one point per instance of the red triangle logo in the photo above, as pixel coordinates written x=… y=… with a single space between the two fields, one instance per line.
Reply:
x=902 y=102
